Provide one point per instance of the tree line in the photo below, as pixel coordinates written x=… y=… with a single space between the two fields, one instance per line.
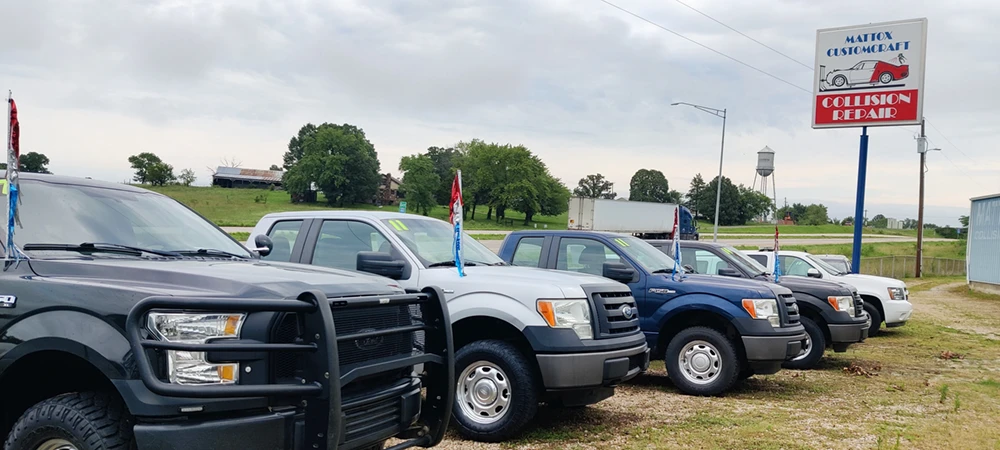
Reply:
x=31 y=162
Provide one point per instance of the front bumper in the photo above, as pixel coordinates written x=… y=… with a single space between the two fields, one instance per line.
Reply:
x=773 y=348
x=897 y=312
x=594 y=369
x=284 y=430
x=849 y=333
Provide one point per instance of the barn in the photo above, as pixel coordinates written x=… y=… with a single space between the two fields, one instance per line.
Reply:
x=235 y=177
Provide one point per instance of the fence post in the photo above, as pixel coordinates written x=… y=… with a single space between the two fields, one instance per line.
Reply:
x=881 y=267
x=893 y=267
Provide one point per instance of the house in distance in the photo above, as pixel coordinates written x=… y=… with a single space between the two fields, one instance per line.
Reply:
x=236 y=177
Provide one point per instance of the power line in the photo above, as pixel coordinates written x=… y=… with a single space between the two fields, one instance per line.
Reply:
x=705 y=46
x=949 y=141
x=807 y=66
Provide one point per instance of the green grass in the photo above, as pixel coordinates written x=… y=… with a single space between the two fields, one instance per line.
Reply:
x=949 y=249
x=804 y=229
x=244 y=207
x=240 y=236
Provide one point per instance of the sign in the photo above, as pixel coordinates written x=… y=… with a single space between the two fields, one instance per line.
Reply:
x=870 y=75
x=402 y=207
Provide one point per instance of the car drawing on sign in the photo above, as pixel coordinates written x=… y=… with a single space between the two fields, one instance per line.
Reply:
x=869 y=71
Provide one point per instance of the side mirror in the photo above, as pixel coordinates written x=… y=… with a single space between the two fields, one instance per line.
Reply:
x=619 y=272
x=729 y=272
x=378 y=263
x=264 y=244
x=689 y=269
x=814 y=273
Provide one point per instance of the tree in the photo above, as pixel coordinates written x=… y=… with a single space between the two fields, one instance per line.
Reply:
x=694 y=195
x=274 y=167
x=964 y=220
x=595 y=186
x=909 y=224
x=31 y=162
x=847 y=220
x=187 y=177
x=650 y=186
x=338 y=158
x=815 y=215
x=420 y=182
x=444 y=166
x=508 y=176
x=879 y=221
x=753 y=204
x=150 y=169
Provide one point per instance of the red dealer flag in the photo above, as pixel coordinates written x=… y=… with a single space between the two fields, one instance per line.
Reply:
x=15 y=131
x=456 y=199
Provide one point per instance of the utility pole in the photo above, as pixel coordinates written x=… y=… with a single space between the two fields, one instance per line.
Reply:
x=721 y=113
x=922 y=149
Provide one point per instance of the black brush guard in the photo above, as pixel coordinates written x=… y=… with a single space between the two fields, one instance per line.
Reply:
x=320 y=391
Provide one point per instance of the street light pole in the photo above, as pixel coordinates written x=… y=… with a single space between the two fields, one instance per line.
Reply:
x=718 y=186
x=922 y=149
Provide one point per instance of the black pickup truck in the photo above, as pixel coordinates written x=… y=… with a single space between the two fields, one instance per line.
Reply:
x=832 y=313
x=131 y=322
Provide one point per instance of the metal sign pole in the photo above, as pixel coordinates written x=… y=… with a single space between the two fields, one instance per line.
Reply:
x=859 y=208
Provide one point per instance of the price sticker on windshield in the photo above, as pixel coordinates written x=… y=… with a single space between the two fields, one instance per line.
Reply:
x=4 y=183
x=621 y=242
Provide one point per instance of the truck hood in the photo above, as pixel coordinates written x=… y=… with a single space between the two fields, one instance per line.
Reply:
x=511 y=279
x=870 y=280
x=738 y=286
x=210 y=277
x=821 y=288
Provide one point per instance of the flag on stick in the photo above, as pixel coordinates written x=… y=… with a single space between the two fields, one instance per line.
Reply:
x=777 y=262
x=455 y=217
x=675 y=234
x=11 y=178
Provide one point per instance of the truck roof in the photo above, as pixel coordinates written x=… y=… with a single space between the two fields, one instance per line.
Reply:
x=561 y=232
x=77 y=181
x=376 y=215
x=685 y=243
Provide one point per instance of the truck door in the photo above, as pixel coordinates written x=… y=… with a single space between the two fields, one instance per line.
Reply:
x=588 y=255
x=336 y=243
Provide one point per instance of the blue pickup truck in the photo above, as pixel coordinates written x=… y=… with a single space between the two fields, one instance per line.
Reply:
x=710 y=331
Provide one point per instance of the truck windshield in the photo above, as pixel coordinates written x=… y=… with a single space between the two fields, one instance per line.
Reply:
x=745 y=262
x=649 y=257
x=822 y=264
x=56 y=214
x=432 y=241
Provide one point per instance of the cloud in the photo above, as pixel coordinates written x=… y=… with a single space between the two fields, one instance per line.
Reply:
x=584 y=85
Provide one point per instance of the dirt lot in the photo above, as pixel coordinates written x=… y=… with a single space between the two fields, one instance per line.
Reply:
x=932 y=384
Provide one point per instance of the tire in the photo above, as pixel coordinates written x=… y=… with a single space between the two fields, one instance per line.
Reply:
x=876 y=319
x=84 y=421
x=710 y=366
x=816 y=346
x=839 y=81
x=509 y=386
x=885 y=78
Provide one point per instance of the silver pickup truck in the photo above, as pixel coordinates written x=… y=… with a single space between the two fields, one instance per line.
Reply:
x=522 y=335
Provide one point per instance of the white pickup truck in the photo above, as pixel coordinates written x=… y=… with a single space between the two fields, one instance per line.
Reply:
x=521 y=335
x=886 y=299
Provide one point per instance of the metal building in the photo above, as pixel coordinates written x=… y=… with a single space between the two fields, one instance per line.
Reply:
x=983 y=251
x=235 y=177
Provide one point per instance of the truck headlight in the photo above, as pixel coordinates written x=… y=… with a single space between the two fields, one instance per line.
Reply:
x=192 y=368
x=572 y=314
x=763 y=308
x=897 y=293
x=842 y=303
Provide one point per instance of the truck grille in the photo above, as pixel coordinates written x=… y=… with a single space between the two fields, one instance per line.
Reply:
x=859 y=304
x=791 y=308
x=611 y=308
x=360 y=351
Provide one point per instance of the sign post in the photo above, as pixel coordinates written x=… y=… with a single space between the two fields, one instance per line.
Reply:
x=869 y=76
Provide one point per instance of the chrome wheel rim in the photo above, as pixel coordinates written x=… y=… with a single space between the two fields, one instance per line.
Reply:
x=700 y=362
x=483 y=392
x=886 y=78
x=806 y=349
x=57 y=444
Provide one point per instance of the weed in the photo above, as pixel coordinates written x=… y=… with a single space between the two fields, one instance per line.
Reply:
x=958 y=403
x=944 y=393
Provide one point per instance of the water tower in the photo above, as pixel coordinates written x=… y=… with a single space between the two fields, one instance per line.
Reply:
x=765 y=173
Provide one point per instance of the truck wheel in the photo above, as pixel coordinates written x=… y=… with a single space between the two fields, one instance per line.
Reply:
x=496 y=393
x=876 y=319
x=813 y=350
x=701 y=361
x=75 y=421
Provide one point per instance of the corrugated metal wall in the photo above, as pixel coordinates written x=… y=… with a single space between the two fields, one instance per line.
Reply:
x=984 y=240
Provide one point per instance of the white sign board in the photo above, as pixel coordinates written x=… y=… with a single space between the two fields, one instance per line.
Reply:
x=870 y=75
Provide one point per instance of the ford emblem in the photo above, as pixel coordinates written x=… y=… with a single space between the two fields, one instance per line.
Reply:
x=628 y=312
x=368 y=343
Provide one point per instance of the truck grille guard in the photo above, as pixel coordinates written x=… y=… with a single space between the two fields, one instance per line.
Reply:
x=320 y=389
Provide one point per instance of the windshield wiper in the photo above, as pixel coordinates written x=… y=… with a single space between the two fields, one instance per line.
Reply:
x=99 y=247
x=666 y=270
x=208 y=252
x=451 y=264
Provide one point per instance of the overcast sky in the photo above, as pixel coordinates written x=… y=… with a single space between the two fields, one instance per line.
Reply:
x=582 y=84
